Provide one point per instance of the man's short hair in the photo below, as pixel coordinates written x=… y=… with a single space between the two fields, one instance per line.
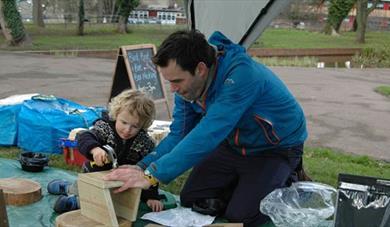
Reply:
x=187 y=48
x=136 y=103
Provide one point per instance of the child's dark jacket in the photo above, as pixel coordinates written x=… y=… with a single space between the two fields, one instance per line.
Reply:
x=128 y=151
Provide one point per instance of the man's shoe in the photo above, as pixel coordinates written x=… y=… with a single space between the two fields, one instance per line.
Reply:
x=213 y=207
x=66 y=203
x=58 y=187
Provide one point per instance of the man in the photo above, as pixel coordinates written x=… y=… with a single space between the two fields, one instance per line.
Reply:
x=234 y=121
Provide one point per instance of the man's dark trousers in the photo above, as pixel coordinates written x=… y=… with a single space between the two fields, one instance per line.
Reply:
x=242 y=181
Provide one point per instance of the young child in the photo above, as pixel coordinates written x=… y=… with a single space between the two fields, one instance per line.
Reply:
x=130 y=114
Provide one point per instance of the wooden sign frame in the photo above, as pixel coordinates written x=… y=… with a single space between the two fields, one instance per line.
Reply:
x=123 y=77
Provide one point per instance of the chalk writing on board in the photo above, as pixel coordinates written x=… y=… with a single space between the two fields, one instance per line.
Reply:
x=145 y=74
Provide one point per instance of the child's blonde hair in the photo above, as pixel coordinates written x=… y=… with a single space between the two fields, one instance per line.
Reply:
x=136 y=103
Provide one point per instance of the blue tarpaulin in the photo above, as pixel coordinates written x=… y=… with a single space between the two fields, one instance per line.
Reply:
x=44 y=120
x=8 y=131
x=9 y=110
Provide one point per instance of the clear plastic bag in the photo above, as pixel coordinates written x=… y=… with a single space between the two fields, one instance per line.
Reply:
x=303 y=204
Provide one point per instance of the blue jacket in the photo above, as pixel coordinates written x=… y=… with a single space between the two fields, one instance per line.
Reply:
x=246 y=104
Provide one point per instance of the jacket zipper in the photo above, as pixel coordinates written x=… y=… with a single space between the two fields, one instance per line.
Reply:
x=236 y=141
x=266 y=131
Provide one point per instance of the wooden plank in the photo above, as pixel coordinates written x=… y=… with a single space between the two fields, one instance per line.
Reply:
x=99 y=203
x=75 y=218
x=96 y=178
x=3 y=211
x=96 y=204
x=126 y=203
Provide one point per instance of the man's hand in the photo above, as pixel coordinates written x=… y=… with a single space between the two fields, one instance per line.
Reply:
x=131 y=176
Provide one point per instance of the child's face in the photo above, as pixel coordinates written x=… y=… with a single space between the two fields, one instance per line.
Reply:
x=127 y=125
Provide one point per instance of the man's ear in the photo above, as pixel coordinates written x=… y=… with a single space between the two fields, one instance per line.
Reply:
x=202 y=69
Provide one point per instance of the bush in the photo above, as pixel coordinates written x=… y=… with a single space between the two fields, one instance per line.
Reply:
x=373 y=57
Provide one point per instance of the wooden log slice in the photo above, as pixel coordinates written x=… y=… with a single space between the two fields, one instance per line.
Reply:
x=19 y=191
x=74 y=218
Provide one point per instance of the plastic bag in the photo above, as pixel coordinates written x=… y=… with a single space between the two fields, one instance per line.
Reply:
x=303 y=204
x=179 y=216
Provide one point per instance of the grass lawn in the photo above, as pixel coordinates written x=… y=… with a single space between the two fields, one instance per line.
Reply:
x=103 y=36
x=59 y=37
x=384 y=90
x=293 y=38
x=322 y=165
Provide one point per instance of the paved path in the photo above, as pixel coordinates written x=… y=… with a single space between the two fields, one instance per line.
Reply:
x=343 y=111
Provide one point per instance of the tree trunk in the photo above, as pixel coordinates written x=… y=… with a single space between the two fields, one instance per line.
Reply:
x=12 y=25
x=69 y=11
x=38 y=13
x=4 y=28
x=100 y=10
x=338 y=10
x=362 y=13
x=114 y=12
x=361 y=19
x=354 y=26
x=122 y=24
x=124 y=9
x=81 y=18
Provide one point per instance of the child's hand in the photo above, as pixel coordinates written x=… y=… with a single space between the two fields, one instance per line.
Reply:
x=155 y=205
x=99 y=156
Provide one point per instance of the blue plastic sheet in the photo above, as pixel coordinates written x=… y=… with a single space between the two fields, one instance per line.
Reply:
x=9 y=110
x=8 y=124
x=44 y=120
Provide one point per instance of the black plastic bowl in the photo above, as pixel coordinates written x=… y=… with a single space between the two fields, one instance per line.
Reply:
x=33 y=162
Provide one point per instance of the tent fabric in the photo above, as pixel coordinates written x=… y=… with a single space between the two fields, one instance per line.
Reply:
x=43 y=121
x=225 y=15
x=9 y=110
x=241 y=21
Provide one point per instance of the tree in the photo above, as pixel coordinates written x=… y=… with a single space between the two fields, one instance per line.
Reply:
x=100 y=11
x=81 y=18
x=362 y=13
x=301 y=10
x=38 y=13
x=338 y=10
x=12 y=25
x=125 y=7
x=70 y=7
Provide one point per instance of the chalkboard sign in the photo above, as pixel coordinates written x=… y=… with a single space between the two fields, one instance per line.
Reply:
x=135 y=69
x=144 y=72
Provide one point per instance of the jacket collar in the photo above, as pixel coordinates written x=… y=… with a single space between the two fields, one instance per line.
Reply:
x=210 y=78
